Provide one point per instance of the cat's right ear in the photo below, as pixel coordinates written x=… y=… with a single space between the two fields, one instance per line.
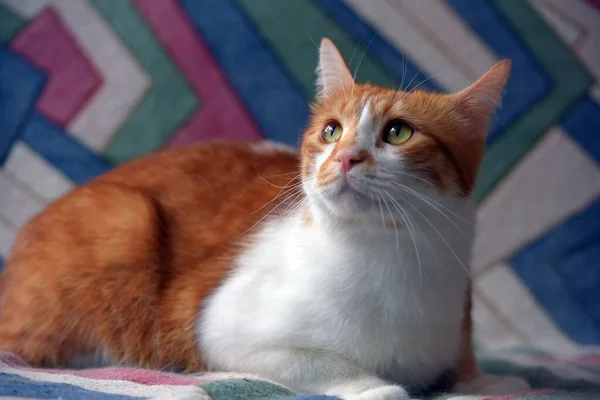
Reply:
x=332 y=73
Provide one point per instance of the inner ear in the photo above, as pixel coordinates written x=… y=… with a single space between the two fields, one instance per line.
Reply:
x=332 y=73
x=478 y=101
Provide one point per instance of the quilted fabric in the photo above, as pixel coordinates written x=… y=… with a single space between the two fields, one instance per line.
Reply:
x=86 y=85
x=573 y=378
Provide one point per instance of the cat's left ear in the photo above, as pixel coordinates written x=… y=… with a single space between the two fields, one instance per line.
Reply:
x=478 y=101
x=332 y=73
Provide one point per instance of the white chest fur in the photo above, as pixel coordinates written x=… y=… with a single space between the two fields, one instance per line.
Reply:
x=375 y=299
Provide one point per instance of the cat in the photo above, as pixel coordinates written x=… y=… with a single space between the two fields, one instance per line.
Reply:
x=341 y=270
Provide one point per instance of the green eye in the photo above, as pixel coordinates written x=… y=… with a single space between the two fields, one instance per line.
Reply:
x=397 y=132
x=332 y=132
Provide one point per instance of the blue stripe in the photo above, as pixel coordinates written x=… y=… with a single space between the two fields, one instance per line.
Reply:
x=528 y=82
x=63 y=151
x=17 y=386
x=20 y=87
x=379 y=48
x=561 y=271
x=582 y=122
x=271 y=95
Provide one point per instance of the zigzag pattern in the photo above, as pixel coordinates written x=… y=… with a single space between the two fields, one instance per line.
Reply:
x=89 y=84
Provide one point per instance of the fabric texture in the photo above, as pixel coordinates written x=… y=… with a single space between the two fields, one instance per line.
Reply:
x=86 y=85
x=550 y=377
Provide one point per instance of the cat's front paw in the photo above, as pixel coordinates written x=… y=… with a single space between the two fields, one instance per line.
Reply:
x=493 y=385
x=390 y=392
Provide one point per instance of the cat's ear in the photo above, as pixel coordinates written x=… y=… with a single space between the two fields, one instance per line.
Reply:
x=478 y=101
x=332 y=73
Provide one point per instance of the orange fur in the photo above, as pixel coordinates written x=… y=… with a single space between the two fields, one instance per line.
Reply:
x=440 y=149
x=123 y=263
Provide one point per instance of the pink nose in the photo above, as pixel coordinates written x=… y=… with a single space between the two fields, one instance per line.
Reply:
x=349 y=160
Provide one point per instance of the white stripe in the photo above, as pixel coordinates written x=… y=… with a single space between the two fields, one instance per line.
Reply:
x=21 y=398
x=536 y=195
x=566 y=372
x=408 y=31
x=568 y=31
x=7 y=238
x=25 y=165
x=489 y=332
x=587 y=19
x=18 y=203
x=471 y=56
x=506 y=291
x=124 y=81
x=121 y=387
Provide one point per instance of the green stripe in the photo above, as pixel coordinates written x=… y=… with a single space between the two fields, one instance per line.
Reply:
x=570 y=81
x=537 y=376
x=292 y=28
x=10 y=24
x=246 y=389
x=170 y=101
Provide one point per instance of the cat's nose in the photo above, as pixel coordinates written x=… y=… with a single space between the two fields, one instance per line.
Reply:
x=349 y=160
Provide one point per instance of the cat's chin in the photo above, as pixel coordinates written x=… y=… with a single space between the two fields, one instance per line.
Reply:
x=346 y=202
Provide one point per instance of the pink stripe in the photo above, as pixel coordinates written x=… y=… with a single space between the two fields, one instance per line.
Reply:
x=595 y=3
x=141 y=376
x=72 y=78
x=528 y=394
x=592 y=359
x=222 y=115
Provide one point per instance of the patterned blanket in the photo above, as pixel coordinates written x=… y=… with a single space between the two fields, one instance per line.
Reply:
x=575 y=377
x=86 y=85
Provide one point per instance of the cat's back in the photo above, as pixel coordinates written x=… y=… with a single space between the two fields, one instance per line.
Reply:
x=122 y=263
x=218 y=188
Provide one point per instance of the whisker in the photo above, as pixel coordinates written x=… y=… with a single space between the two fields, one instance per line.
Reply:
x=360 y=60
x=290 y=206
x=423 y=198
x=425 y=80
x=281 y=187
x=444 y=240
x=311 y=39
x=411 y=81
x=267 y=214
x=404 y=68
x=279 y=194
x=393 y=171
x=284 y=174
x=355 y=49
x=381 y=210
x=395 y=228
x=410 y=229
x=419 y=196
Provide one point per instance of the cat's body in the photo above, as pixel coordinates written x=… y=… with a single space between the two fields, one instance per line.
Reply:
x=368 y=301
x=342 y=271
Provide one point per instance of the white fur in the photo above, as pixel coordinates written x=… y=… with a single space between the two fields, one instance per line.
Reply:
x=268 y=147
x=349 y=309
x=332 y=73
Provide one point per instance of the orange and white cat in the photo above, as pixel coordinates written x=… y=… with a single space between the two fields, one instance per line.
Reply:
x=343 y=270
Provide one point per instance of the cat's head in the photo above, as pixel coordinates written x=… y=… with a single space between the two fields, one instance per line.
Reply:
x=365 y=143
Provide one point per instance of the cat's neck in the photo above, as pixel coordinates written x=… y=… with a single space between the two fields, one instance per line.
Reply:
x=350 y=228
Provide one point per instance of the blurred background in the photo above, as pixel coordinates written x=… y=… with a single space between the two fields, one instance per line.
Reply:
x=86 y=85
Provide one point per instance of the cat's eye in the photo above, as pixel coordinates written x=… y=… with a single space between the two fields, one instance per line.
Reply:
x=332 y=132
x=397 y=132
